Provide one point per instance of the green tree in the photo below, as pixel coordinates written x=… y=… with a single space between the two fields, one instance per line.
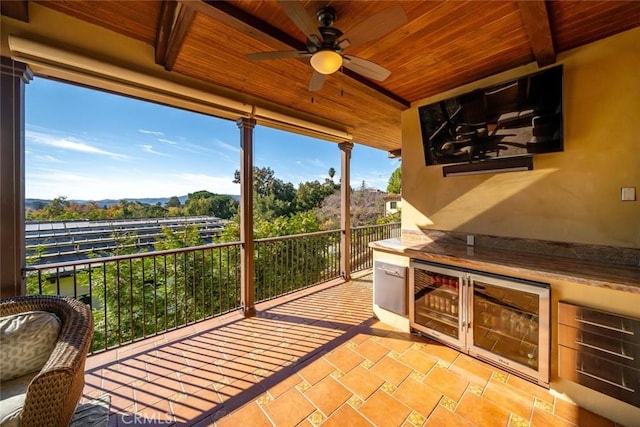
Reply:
x=272 y=197
x=206 y=203
x=311 y=194
x=395 y=182
x=173 y=202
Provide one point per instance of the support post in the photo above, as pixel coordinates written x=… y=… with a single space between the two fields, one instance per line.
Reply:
x=247 y=264
x=345 y=209
x=13 y=77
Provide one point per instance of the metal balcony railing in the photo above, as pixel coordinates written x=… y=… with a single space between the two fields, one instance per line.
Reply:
x=288 y=264
x=140 y=295
x=144 y=294
x=361 y=253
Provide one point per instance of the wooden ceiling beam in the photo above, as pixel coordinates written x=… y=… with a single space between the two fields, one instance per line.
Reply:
x=165 y=24
x=536 y=22
x=15 y=9
x=173 y=24
x=266 y=33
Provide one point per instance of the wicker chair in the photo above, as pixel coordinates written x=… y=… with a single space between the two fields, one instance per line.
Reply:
x=54 y=392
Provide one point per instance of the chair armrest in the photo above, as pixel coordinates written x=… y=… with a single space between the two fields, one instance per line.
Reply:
x=53 y=394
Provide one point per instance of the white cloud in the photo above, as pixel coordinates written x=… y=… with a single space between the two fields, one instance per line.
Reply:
x=317 y=163
x=149 y=149
x=50 y=183
x=167 y=141
x=150 y=132
x=71 y=144
x=228 y=146
x=48 y=158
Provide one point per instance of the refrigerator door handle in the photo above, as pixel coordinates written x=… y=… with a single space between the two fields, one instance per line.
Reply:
x=469 y=301
x=465 y=311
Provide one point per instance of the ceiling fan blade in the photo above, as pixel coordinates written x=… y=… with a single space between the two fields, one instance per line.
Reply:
x=366 y=68
x=278 y=54
x=298 y=14
x=378 y=25
x=317 y=81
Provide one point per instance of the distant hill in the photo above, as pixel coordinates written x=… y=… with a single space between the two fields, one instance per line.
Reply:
x=39 y=203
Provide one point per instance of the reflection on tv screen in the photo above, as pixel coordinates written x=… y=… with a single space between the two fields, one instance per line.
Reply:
x=517 y=117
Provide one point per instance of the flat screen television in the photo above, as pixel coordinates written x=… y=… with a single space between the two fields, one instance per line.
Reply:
x=520 y=117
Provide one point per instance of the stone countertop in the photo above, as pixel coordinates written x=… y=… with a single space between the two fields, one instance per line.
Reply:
x=624 y=278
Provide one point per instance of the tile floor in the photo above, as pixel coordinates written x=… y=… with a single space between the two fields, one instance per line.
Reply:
x=317 y=358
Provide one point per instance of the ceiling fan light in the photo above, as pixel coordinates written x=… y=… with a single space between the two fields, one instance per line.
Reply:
x=326 y=61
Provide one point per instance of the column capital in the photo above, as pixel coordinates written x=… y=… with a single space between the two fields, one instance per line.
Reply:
x=11 y=68
x=346 y=146
x=244 y=122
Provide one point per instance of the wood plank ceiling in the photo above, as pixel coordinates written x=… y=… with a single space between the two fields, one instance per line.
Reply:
x=443 y=45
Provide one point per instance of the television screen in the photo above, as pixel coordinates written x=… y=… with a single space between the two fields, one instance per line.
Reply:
x=517 y=117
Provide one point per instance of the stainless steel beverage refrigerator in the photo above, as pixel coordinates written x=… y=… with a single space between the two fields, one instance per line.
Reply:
x=502 y=320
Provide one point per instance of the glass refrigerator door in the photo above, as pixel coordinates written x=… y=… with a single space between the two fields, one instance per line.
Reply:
x=436 y=302
x=506 y=322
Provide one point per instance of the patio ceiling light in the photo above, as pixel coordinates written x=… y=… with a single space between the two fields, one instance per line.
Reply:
x=326 y=61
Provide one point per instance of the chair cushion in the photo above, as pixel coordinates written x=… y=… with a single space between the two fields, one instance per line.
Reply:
x=12 y=396
x=27 y=342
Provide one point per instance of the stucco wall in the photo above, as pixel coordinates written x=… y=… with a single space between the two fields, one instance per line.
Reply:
x=572 y=196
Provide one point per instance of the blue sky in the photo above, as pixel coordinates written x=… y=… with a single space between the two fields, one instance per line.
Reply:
x=90 y=145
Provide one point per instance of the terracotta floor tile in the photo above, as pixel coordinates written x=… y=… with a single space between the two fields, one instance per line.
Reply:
x=147 y=393
x=238 y=368
x=328 y=395
x=112 y=378
x=472 y=369
x=289 y=409
x=448 y=383
x=482 y=411
x=441 y=352
x=580 y=416
x=227 y=391
x=273 y=359
x=362 y=382
x=190 y=382
x=97 y=360
x=346 y=416
x=344 y=359
x=391 y=370
x=542 y=418
x=418 y=396
x=442 y=417
x=510 y=398
x=394 y=342
x=285 y=385
x=528 y=387
x=417 y=360
x=186 y=408
x=194 y=379
x=372 y=350
x=122 y=399
x=316 y=371
x=380 y=329
x=248 y=415
x=159 y=414
x=384 y=410
x=360 y=338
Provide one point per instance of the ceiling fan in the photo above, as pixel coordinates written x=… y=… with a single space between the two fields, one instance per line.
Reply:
x=326 y=44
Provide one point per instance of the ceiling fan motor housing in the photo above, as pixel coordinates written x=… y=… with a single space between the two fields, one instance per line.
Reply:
x=326 y=16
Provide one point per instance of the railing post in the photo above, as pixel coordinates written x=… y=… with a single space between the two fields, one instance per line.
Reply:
x=13 y=77
x=345 y=208
x=247 y=264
